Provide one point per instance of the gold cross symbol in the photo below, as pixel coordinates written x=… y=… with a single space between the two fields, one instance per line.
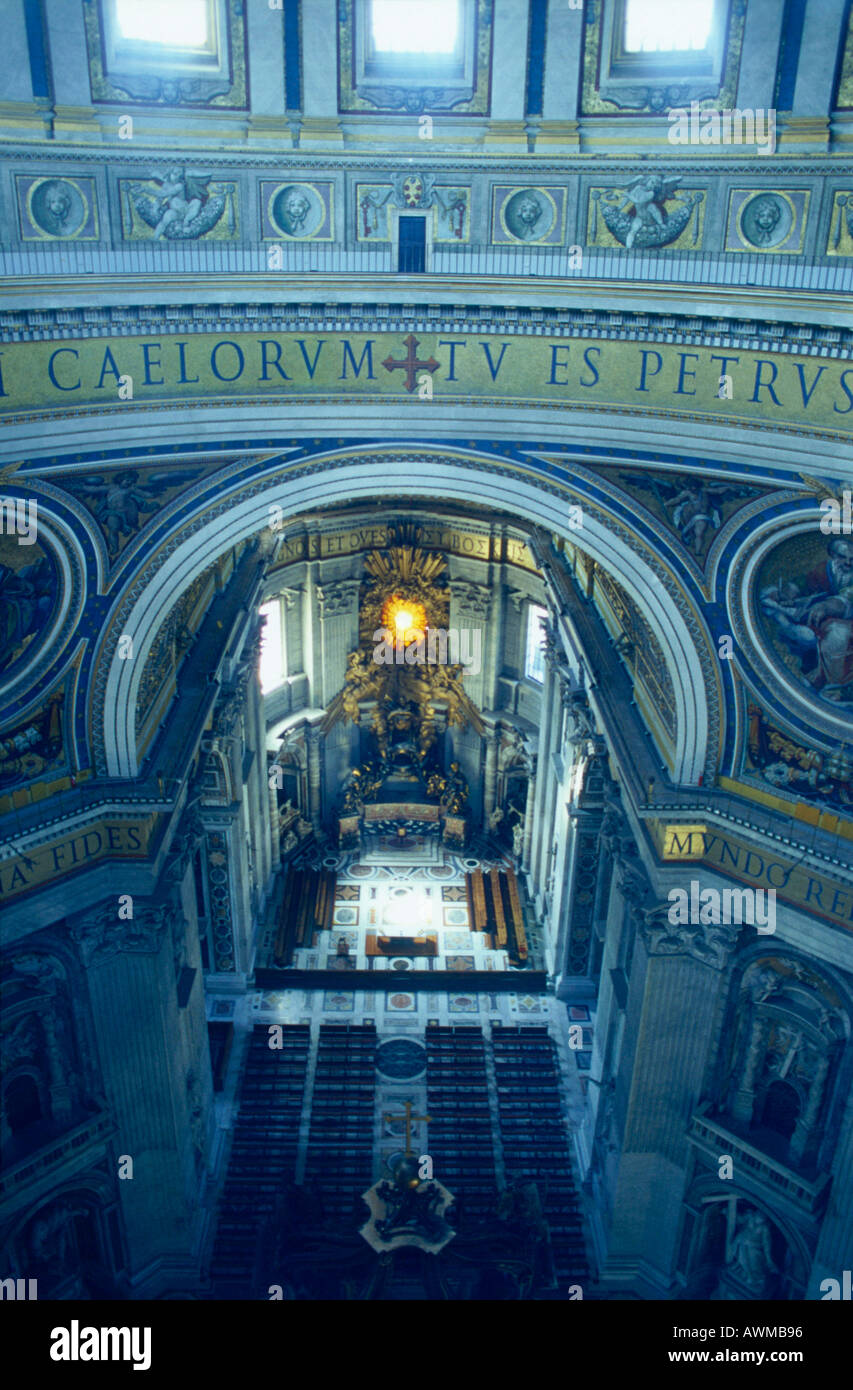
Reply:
x=410 y=1119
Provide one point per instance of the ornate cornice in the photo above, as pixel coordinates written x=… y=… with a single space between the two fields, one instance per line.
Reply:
x=756 y=335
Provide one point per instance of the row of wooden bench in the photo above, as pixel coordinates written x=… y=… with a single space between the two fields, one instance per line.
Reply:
x=307 y=905
x=494 y=907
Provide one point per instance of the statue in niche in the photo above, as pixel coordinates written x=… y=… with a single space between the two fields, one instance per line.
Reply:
x=517 y=839
x=51 y=1238
x=750 y=1257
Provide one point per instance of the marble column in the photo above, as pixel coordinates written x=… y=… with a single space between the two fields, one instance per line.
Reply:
x=529 y=818
x=806 y=1123
x=835 y=1241
x=72 y=95
x=321 y=125
x=671 y=1028
x=490 y=775
x=563 y=58
x=17 y=81
x=822 y=29
x=265 y=33
x=315 y=799
x=762 y=34
x=509 y=74
x=744 y=1099
x=131 y=982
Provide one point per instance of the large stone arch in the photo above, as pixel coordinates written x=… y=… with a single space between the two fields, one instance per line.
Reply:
x=364 y=475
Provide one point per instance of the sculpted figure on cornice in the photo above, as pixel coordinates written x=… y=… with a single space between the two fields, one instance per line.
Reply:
x=183 y=206
x=637 y=213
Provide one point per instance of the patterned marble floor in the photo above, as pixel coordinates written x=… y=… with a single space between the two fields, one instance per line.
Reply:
x=404 y=900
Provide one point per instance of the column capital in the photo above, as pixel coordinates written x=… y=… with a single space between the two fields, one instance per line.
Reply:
x=471 y=600
x=710 y=943
x=101 y=933
x=338 y=598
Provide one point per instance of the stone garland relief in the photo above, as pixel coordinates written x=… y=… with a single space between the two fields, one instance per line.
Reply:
x=57 y=209
x=532 y=215
x=178 y=205
x=760 y=220
x=297 y=211
x=649 y=211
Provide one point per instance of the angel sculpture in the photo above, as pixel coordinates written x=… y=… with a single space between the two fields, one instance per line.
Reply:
x=647 y=195
x=123 y=498
x=183 y=208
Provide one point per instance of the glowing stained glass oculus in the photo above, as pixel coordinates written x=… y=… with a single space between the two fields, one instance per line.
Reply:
x=659 y=26
x=173 y=23
x=411 y=26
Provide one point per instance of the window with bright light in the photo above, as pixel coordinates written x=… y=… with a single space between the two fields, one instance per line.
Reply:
x=534 y=662
x=661 y=26
x=173 y=23
x=271 y=663
x=411 y=26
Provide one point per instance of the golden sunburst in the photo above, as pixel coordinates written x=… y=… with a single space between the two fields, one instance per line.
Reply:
x=405 y=617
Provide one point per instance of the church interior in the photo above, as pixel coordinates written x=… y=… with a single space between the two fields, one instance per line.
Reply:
x=426 y=588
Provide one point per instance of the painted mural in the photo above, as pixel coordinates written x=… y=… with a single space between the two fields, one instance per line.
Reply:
x=120 y=500
x=802 y=772
x=804 y=601
x=694 y=508
x=29 y=593
x=33 y=747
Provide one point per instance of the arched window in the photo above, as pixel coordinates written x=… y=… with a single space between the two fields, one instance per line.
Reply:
x=23 y=1103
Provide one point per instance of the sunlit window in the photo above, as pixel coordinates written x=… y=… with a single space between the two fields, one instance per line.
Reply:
x=173 y=23
x=662 y=26
x=411 y=26
x=534 y=662
x=271 y=663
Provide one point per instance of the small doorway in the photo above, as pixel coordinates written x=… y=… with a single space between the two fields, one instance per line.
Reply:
x=411 y=246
